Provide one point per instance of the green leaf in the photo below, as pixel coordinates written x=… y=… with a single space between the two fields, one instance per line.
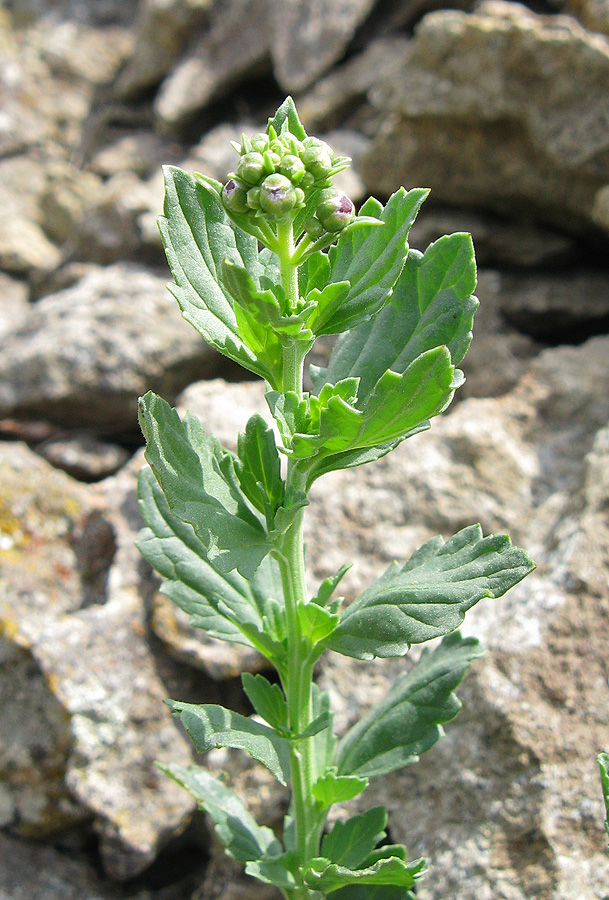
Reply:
x=267 y=699
x=237 y=830
x=331 y=788
x=198 y=237
x=316 y=623
x=349 y=843
x=603 y=761
x=258 y=468
x=215 y=601
x=432 y=305
x=198 y=479
x=370 y=259
x=429 y=596
x=210 y=726
x=407 y=722
x=327 y=877
x=324 y=741
x=329 y=585
x=273 y=871
x=374 y=892
x=287 y=112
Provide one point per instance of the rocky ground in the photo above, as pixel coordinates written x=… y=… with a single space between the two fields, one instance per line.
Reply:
x=503 y=110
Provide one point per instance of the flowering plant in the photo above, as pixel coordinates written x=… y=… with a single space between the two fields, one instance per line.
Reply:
x=262 y=266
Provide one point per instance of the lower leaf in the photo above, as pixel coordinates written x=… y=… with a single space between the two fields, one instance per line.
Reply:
x=327 y=877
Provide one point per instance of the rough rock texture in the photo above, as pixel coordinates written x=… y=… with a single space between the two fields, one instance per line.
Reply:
x=86 y=353
x=501 y=108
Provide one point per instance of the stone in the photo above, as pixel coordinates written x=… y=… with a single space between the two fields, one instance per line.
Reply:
x=24 y=246
x=84 y=719
x=83 y=455
x=593 y=14
x=67 y=194
x=85 y=354
x=13 y=303
x=140 y=152
x=501 y=109
x=234 y=47
x=565 y=307
x=310 y=36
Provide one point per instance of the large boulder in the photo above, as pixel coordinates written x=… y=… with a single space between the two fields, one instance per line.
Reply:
x=502 y=109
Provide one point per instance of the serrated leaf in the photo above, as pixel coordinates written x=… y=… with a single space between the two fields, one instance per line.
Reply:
x=327 y=877
x=432 y=305
x=349 y=843
x=395 y=733
x=329 y=585
x=198 y=479
x=198 y=237
x=267 y=699
x=259 y=468
x=193 y=583
x=236 y=828
x=287 y=113
x=210 y=726
x=429 y=595
x=370 y=259
x=316 y=623
x=331 y=788
x=273 y=871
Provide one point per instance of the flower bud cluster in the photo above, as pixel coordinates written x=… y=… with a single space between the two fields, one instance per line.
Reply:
x=277 y=175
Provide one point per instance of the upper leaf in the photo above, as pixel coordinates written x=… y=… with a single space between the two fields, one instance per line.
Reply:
x=432 y=305
x=349 y=843
x=198 y=479
x=327 y=877
x=259 y=469
x=198 y=237
x=407 y=722
x=287 y=113
x=430 y=595
x=211 y=726
x=238 y=831
x=370 y=258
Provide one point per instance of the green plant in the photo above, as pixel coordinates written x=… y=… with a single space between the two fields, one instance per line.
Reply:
x=225 y=530
x=603 y=762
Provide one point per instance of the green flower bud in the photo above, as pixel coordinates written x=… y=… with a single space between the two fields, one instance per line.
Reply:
x=317 y=157
x=300 y=196
x=277 y=196
x=260 y=142
x=251 y=167
x=253 y=198
x=234 y=196
x=335 y=210
x=313 y=228
x=271 y=162
x=293 y=168
x=307 y=181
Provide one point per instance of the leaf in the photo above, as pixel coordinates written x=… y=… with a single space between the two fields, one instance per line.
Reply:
x=237 y=830
x=258 y=468
x=267 y=699
x=329 y=585
x=287 y=112
x=193 y=583
x=603 y=761
x=407 y=722
x=374 y=892
x=429 y=596
x=432 y=305
x=198 y=237
x=324 y=741
x=198 y=479
x=331 y=788
x=210 y=726
x=370 y=259
x=316 y=623
x=328 y=877
x=349 y=843
x=273 y=871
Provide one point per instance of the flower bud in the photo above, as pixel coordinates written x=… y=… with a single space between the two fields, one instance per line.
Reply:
x=313 y=228
x=317 y=158
x=293 y=168
x=234 y=196
x=251 y=167
x=335 y=210
x=253 y=198
x=260 y=142
x=277 y=196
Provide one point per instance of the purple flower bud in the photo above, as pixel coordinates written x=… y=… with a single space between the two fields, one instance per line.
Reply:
x=277 y=196
x=335 y=210
x=234 y=196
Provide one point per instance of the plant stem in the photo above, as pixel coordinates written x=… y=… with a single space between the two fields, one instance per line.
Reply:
x=299 y=679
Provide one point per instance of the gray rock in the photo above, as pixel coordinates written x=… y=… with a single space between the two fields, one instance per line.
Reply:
x=593 y=14
x=24 y=246
x=13 y=303
x=83 y=455
x=563 y=307
x=310 y=36
x=501 y=109
x=86 y=353
x=162 y=30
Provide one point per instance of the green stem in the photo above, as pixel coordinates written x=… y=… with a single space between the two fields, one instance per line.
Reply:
x=299 y=678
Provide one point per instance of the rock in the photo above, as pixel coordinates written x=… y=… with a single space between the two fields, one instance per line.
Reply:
x=24 y=246
x=593 y=14
x=85 y=699
x=13 y=303
x=500 y=109
x=83 y=455
x=310 y=36
x=162 y=30
x=86 y=353
x=66 y=195
x=557 y=308
x=233 y=48
x=140 y=152
x=213 y=155
x=224 y=407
